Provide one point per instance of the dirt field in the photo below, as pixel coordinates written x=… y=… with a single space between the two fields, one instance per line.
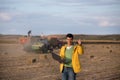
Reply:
x=99 y=62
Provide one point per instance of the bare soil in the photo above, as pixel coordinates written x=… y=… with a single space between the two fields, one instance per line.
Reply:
x=99 y=62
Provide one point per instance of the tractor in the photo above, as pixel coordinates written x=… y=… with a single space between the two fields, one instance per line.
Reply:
x=40 y=45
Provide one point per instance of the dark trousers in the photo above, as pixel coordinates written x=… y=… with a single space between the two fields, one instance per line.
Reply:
x=68 y=74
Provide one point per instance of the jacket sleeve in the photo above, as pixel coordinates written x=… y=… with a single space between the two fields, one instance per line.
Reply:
x=62 y=52
x=80 y=49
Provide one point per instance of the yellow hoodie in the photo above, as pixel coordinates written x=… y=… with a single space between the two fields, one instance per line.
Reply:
x=75 y=57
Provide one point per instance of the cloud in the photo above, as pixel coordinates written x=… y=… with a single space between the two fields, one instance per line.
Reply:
x=107 y=24
x=104 y=23
x=89 y=3
x=5 y=17
x=12 y=30
x=107 y=21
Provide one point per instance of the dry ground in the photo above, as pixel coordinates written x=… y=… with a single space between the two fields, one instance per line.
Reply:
x=99 y=62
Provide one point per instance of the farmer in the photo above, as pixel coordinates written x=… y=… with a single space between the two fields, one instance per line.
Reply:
x=70 y=53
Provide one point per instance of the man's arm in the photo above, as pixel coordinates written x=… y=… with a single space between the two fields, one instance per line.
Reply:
x=80 y=47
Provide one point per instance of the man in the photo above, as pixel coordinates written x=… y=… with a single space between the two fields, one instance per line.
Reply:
x=70 y=54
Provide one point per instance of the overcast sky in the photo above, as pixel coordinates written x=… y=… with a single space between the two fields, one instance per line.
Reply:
x=60 y=16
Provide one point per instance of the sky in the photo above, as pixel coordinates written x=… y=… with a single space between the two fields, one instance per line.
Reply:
x=60 y=16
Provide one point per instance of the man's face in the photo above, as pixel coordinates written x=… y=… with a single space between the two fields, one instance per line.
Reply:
x=69 y=40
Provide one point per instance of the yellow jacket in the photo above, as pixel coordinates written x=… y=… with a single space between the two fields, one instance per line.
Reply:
x=75 y=57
